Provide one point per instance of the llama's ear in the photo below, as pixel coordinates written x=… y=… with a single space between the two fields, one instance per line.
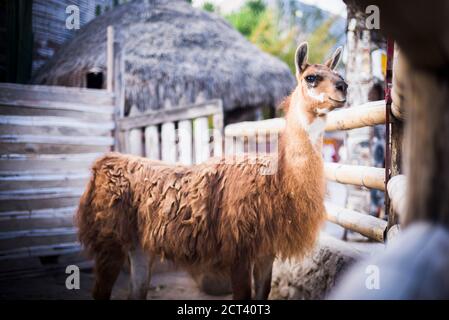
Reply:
x=301 y=58
x=334 y=60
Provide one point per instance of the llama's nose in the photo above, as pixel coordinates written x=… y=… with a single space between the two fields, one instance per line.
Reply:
x=341 y=86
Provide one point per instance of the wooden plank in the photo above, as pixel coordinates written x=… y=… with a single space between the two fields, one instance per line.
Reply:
x=185 y=142
x=53 y=131
x=152 y=145
x=46 y=148
x=369 y=177
x=218 y=128
x=14 y=224
x=201 y=139
x=168 y=142
x=49 y=180
x=31 y=266
x=59 y=105
x=49 y=121
x=170 y=115
x=229 y=146
x=110 y=59
x=119 y=76
x=119 y=89
x=39 y=213
x=67 y=140
x=24 y=202
x=82 y=115
x=40 y=251
x=135 y=142
x=364 y=224
x=239 y=146
x=36 y=237
x=25 y=164
x=72 y=95
x=38 y=193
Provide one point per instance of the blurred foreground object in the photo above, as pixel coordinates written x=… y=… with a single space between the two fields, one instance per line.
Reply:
x=416 y=265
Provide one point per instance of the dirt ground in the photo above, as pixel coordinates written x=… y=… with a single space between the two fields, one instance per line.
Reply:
x=164 y=285
x=166 y=282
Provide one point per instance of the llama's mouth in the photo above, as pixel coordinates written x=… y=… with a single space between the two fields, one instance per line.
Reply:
x=338 y=101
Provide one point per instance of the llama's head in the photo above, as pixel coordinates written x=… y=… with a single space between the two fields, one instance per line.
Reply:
x=320 y=89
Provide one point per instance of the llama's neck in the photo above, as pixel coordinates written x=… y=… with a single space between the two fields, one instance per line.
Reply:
x=302 y=138
x=301 y=185
x=300 y=151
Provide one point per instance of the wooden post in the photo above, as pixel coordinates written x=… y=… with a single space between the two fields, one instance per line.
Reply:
x=388 y=85
x=110 y=59
x=168 y=142
x=135 y=142
x=218 y=134
x=201 y=139
x=152 y=145
x=185 y=142
x=119 y=91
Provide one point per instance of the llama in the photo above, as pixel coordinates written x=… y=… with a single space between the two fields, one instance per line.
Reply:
x=217 y=216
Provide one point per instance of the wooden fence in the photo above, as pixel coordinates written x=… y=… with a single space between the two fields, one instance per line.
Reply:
x=369 y=114
x=173 y=135
x=49 y=137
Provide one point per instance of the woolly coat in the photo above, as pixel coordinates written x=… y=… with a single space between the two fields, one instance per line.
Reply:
x=206 y=216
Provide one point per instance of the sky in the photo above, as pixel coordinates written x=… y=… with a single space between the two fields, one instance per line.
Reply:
x=226 y=6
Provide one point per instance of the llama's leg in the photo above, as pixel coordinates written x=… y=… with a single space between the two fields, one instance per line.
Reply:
x=262 y=277
x=241 y=279
x=108 y=264
x=140 y=273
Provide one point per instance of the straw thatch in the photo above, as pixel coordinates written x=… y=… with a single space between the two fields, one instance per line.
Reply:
x=174 y=55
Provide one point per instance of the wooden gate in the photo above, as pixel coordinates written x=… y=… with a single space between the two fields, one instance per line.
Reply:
x=49 y=137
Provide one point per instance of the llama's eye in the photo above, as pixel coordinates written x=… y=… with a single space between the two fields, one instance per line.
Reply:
x=311 y=78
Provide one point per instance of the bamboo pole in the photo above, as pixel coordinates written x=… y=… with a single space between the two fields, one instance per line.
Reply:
x=369 y=226
x=253 y=128
x=397 y=91
x=368 y=114
x=393 y=232
x=397 y=190
x=369 y=177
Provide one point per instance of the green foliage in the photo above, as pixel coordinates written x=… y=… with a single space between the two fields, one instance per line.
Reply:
x=247 y=18
x=260 y=25
x=207 y=6
x=321 y=42
x=268 y=37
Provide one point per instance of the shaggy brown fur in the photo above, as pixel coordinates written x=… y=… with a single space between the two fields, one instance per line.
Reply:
x=215 y=216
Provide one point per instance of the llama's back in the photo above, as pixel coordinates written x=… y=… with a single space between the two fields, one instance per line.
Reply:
x=131 y=199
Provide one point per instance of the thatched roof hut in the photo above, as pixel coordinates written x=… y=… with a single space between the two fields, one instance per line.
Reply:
x=174 y=55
